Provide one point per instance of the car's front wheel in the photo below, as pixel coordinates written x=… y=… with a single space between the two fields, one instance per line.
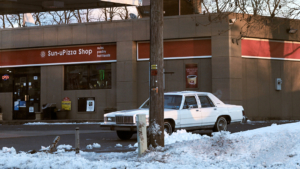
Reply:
x=221 y=124
x=124 y=135
x=168 y=127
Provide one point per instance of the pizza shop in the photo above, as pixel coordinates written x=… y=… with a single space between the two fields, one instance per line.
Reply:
x=87 y=67
x=81 y=80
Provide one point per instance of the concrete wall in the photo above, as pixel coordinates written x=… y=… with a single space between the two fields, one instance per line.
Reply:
x=176 y=80
x=260 y=99
x=52 y=91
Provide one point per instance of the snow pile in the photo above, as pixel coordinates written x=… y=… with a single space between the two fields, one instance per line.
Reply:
x=64 y=146
x=276 y=146
x=43 y=148
x=118 y=145
x=9 y=150
x=95 y=145
x=89 y=147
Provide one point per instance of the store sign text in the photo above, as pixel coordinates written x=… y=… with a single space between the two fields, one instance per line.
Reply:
x=66 y=52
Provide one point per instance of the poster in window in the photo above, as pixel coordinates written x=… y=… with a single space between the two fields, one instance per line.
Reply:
x=31 y=109
x=191 y=72
x=16 y=105
x=22 y=104
x=90 y=105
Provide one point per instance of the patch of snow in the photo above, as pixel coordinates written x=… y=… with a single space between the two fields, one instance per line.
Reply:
x=96 y=145
x=89 y=147
x=64 y=146
x=136 y=145
x=154 y=128
x=64 y=123
x=45 y=148
x=130 y=146
x=118 y=145
x=60 y=150
x=9 y=150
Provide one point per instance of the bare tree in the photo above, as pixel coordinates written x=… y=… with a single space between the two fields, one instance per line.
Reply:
x=2 y=18
x=61 y=17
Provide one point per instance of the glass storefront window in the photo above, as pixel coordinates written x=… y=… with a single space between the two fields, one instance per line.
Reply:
x=6 y=81
x=95 y=76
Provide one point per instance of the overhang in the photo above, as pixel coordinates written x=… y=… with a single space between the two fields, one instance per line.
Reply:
x=30 y=6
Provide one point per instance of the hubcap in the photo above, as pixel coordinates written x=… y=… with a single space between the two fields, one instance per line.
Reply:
x=222 y=126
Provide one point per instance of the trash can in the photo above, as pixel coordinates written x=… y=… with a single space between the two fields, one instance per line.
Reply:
x=49 y=111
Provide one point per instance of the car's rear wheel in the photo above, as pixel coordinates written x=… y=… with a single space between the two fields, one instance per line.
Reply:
x=168 y=127
x=221 y=124
x=124 y=135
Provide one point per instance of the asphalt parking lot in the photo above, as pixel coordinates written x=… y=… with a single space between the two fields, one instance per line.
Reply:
x=32 y=137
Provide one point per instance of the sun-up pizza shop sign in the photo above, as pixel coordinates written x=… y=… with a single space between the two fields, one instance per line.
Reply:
x=56 y=56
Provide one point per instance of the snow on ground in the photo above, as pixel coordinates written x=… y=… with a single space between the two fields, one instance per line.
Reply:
x=276 y=146
x=64 y=123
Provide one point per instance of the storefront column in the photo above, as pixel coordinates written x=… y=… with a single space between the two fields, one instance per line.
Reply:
x=227 y=68
x=6 y=104
x=126 y=75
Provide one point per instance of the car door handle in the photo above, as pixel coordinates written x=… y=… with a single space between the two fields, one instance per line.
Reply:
x=215 y=108
x=197 y=110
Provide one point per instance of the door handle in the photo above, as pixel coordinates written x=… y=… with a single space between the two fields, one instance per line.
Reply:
x=197 y=110
x=215 y=108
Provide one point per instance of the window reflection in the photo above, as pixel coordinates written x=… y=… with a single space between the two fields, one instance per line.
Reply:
x=96 y=76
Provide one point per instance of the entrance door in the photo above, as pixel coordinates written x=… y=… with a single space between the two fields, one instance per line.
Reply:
x=26 y=96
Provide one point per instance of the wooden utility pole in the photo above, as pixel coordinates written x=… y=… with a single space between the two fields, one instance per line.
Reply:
x=156 y=126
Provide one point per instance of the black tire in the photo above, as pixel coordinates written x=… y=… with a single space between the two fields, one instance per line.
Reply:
x=168 y=127
x=124 y=135
x=221 y=124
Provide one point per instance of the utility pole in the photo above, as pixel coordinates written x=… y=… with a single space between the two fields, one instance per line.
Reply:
x=156 y=126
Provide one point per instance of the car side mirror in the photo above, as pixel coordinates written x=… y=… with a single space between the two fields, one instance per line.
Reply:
x=190 y=106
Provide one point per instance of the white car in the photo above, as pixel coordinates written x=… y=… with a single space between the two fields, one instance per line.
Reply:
x=187 y=110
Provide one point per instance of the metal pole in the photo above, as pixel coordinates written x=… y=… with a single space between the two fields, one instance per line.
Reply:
x=156 y=126
x=77 y=140
x=141 y=133
x=179 y=6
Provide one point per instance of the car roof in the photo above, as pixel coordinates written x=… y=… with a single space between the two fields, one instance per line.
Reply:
x=186 y=92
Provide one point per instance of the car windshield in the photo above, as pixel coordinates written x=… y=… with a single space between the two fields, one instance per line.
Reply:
x=171 y=102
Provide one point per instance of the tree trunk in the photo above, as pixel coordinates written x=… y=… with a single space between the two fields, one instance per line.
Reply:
x=156 y=127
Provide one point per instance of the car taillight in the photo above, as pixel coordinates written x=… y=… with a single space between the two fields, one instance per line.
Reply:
x=243 y=113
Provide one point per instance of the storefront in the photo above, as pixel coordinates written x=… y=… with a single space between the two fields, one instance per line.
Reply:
x=85 y=68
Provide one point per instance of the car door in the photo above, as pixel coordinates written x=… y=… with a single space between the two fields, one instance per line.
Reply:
x=190 y=113
x=209 y=112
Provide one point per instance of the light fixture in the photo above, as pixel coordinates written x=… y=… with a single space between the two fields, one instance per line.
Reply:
x=53 y=4
x=231 y=21
x=291 y=30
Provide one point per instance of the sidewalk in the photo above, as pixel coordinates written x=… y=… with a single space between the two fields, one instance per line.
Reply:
x=20 y=122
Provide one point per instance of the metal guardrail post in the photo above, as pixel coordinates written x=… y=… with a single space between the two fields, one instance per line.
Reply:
x=141 y=133
x=77 y=140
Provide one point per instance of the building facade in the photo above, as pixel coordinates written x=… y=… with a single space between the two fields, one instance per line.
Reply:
x=106 y=64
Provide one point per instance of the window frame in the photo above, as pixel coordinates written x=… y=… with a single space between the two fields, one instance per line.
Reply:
x=209 y=100
x=88 y=76
x=198 y=106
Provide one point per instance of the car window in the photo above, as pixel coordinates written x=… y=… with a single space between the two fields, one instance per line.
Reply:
x=190 y=100
x=205 y=101
x=170 y=102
